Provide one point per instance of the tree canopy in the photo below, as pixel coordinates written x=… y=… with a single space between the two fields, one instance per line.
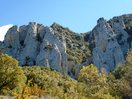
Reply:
x=42 y=81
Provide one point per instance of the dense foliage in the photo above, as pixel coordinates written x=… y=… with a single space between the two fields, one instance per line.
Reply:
x=12 y=78
x=123 y=75
x=42 y=81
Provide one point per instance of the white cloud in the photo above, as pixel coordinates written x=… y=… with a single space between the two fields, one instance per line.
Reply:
x=3 y=30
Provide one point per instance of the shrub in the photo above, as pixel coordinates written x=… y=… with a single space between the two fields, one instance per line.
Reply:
x=12 y=78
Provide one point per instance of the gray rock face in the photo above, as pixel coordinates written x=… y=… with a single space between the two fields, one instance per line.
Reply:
x=110 y=43
x=52 y=51
x=105 y=46
x=118 y=26
x=11 y=42
x=35 y=44
x=1 y=45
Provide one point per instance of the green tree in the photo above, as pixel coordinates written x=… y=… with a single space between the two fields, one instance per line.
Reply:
x=96 y=85
x=123 y=75
x=51 y=82
x=12 y=78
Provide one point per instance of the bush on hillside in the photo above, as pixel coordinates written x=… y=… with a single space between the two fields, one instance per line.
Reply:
x=12 y=78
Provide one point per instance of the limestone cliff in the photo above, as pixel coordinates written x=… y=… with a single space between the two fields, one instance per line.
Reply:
x=66 y=51
x=35 y=44
x=110 y=41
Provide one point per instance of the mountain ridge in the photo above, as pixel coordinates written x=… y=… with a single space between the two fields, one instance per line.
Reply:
x=66 y=51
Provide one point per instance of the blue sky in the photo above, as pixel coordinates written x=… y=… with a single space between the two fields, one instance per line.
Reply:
x=78 y=15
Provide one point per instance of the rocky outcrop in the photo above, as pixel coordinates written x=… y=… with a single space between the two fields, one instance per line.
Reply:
x=1 y=45
x=107 y=52
x=110 y=41
x=35 y=44
x=66 y=51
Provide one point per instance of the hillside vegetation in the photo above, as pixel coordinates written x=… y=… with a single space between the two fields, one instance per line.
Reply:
x=25 y=81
